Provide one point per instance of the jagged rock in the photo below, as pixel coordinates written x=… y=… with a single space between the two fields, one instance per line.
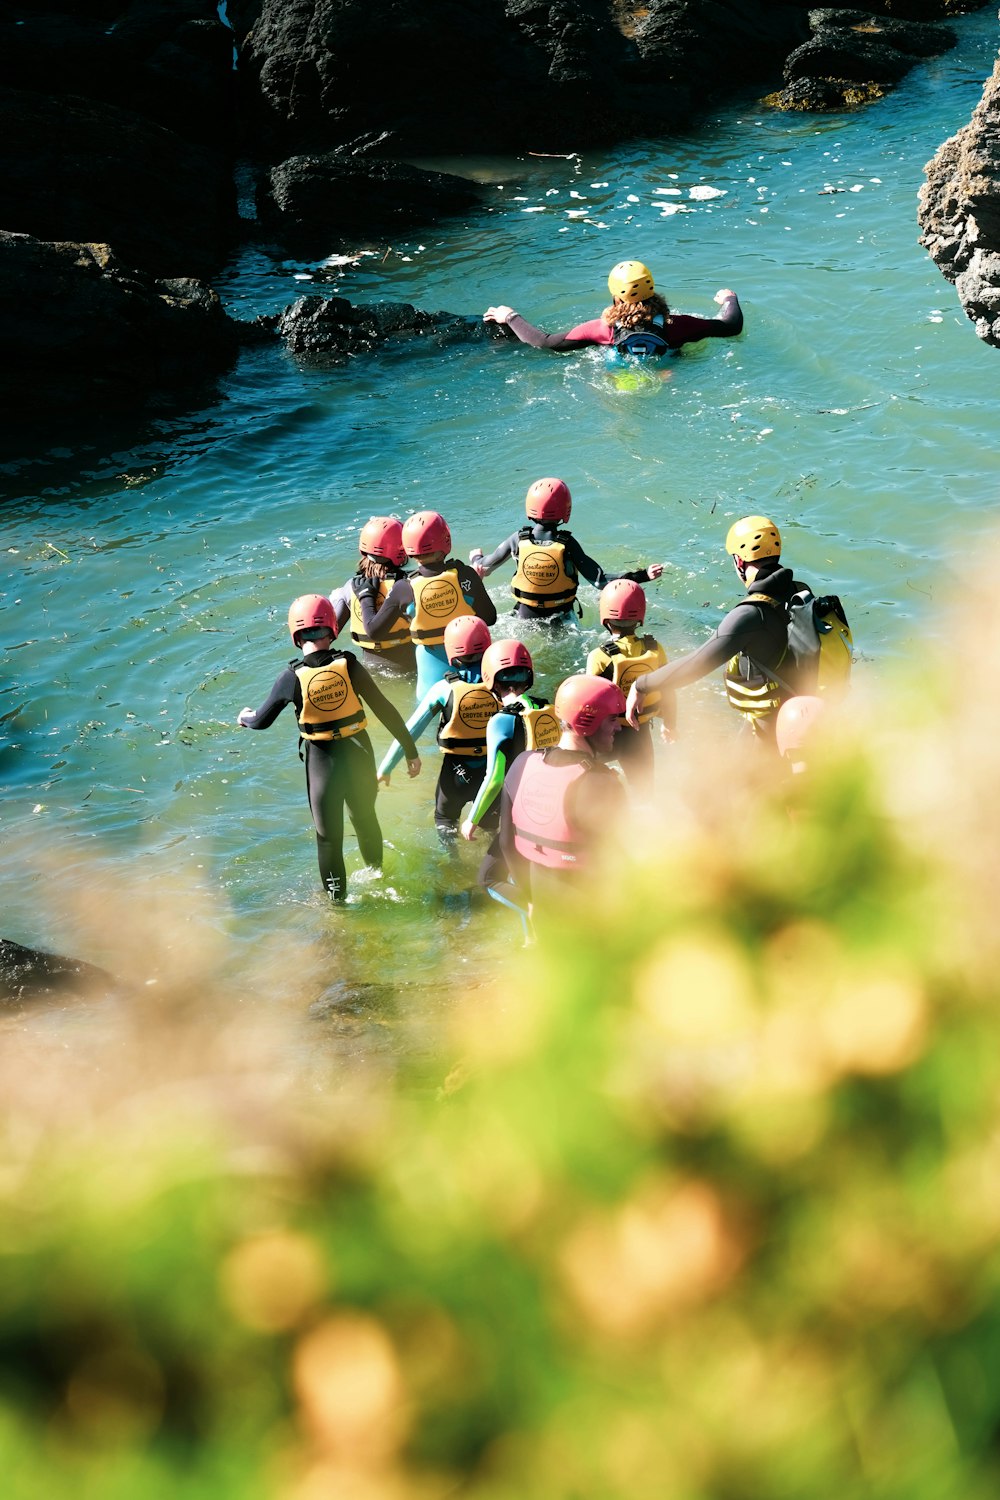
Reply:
x=78 y=329
x=28 y=974
x=75 y=170
x=854 y=46
x=331 y=329
x=959 y=212
x=699 y=45
x=853 y=57
x=166 y=60
x=312 y=201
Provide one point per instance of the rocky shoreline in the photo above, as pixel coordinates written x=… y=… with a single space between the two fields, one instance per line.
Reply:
x=123 y=122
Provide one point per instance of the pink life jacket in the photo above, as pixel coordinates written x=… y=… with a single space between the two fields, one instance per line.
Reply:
x=542 y=832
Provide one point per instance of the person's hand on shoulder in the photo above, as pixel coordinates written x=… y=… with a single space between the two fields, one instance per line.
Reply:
x=499 y=314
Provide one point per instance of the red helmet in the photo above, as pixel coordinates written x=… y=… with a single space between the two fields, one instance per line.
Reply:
x=622 y=600
x=583 y=703
x=796 y=722
x=506 y=656
x=424 y=533
x=466 y=636
x=382 y=537
x=548 y=500
x=308 y=611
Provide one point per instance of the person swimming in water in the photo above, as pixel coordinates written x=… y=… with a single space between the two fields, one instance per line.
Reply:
x=638 y=320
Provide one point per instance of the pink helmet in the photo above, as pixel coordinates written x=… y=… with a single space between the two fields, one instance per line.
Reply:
x=796 y=722
x=621 y=599
x=382 y=537
x=309 y=611
x=424 y=533
x=506 y=656
x=583 y=703
x=466 y=636
x=548 y=500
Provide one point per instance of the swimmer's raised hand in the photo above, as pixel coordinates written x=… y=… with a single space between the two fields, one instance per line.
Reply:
x=722 y=295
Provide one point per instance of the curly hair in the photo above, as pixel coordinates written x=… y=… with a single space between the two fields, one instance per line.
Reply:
x=632 y=315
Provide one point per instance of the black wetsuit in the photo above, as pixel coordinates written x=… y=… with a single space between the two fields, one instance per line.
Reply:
x=757 y=633
x=577 y=564
x=339 y=772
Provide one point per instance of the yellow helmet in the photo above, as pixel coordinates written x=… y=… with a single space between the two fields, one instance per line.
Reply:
x=630 y=281
x=753 y=538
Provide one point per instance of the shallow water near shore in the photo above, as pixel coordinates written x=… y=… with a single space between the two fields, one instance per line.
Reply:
x=146 y=586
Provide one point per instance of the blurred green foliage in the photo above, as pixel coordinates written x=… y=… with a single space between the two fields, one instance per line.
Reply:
x=705 y=1205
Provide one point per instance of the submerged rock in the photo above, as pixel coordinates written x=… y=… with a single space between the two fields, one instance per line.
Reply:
x=311 y=202
x=79 y=329
x=959 y=212
x=28 y=974
x=331 y=329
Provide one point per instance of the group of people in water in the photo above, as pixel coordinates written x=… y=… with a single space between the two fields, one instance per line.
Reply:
x=534 y=775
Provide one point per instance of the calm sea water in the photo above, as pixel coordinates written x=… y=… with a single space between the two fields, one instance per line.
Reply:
x=146 y=587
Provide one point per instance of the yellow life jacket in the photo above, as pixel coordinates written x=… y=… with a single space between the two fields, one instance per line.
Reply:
x=541 y=727
x=541 y=580
x=629 y=657
x=756 y=695
x=472 y=708
x=399 y=631
x=436 y=600
x=331 y=709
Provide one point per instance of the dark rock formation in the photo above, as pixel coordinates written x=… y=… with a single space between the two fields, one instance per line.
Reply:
x=28 y=974
x=447 y=74
x=78 y=329
x=959 y=212
x=695 y=47
x=166 y=60
x=854 y=56
x=311 y=202
x=73 y=170
x=329 y=329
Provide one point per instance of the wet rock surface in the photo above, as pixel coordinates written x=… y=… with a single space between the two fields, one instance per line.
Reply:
x=28 y=974
x=312 y=202
x=959 y=212
x=854 y=56
x=79 y=329
x=330 y=329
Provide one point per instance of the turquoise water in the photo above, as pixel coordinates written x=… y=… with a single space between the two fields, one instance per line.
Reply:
x=146 y=586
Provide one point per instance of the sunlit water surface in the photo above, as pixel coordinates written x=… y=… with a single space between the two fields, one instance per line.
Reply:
x=146 y=587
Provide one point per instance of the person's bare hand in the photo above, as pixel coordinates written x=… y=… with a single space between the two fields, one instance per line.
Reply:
x=632 y=707
x=654 y=570
x=469 y=830
x=413 y=767
x=499 y=314
x=722 y=294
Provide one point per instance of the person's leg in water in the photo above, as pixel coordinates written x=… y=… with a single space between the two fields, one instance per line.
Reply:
x=634 y=753
x=326 y=803
x=432 y=664
x=360 y=783
x=458 y=782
